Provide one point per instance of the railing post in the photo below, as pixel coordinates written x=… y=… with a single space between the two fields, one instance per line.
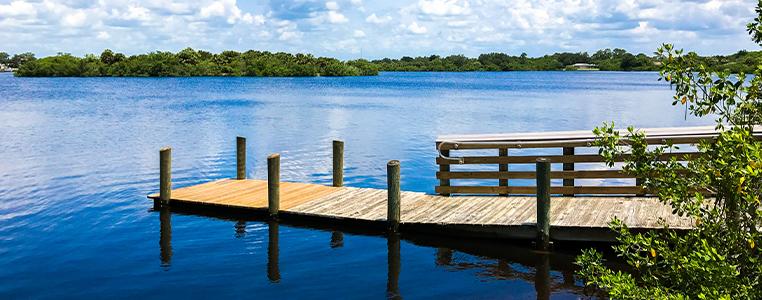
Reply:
x=393 y=185
x=338 y=163
x=543 y=203
x=503 y=168
x=165 y=175
x=444 y=168
x=639 y=182
x=568 y=166
x=240 y=157
x=273 y=184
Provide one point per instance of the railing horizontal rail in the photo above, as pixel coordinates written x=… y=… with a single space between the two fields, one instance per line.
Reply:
x=452 y=145
x=591 y=174
x=531 y=159
x=592 y=190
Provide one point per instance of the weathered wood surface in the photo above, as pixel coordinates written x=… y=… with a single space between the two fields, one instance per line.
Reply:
x=500 y=216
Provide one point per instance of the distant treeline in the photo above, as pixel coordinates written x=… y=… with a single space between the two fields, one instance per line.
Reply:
x=190 y=62
x=606 y=60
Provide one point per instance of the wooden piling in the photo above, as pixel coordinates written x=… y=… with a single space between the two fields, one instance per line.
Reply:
x=338 y=163
x=165 y=175
x=568 y=151
x=240 y=157
x=393 y=184
x=639 y=183
x=543 y=203
x=444 y=168
x=503 y=152
x=273 y=184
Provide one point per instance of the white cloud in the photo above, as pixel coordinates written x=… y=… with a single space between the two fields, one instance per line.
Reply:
x=444 y=7
x=377 y=20
x=417 y=29
x=359 y=34
x=102 y=35
x=336 y=17
x=16 y=9
x=332 y=5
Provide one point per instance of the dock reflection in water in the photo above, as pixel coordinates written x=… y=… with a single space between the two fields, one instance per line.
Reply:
x=488 y=259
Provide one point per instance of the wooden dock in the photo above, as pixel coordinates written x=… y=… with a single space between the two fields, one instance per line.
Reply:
x=572 y=218
x=550 y=210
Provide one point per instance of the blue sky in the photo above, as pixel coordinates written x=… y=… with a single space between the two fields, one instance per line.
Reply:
x=374 y=29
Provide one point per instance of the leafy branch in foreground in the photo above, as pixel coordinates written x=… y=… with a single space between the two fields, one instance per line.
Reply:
x=720 y=257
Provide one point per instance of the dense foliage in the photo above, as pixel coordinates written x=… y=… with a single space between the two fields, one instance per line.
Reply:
x=190 y=62
x=16 y=60
x=720 y=258
x=606 y=60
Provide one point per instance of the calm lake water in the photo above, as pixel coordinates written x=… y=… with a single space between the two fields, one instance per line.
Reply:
x=79 y=155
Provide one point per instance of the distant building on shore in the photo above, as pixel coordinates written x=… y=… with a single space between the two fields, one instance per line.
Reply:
x=5 y=68
x=583 y=67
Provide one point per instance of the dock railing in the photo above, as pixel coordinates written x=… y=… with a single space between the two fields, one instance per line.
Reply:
x=571 y=152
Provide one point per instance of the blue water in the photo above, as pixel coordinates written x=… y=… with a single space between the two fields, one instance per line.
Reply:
x=78 y=156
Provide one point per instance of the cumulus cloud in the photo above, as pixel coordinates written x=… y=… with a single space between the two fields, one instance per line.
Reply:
x=444 y=7
x=417 y=29
x=372 y=18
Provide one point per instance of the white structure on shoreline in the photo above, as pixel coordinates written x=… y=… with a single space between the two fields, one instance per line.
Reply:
x=584 y=67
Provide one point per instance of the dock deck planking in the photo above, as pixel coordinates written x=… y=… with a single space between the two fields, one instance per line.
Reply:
x=497 y=214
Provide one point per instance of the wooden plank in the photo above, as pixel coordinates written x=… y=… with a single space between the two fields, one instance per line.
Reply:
x=531 y=174
x=677 y=135
x=618 y=190
x=531 y=159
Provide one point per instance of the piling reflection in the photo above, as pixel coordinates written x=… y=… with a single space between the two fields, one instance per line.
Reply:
x=165 y=236
x=240 y=229
x=501 y=260
x=394 y=265
x=444 y=257
x=337 y=239
x=542 y=276
x=273 y=264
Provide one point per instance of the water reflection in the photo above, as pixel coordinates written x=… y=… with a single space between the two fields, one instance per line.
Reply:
x=548 y=272
x=165 y=236
x=273 y=256
x=240 y=229
x=394 y=265
x=444 y=257
x=542 y=276
x=337 y=239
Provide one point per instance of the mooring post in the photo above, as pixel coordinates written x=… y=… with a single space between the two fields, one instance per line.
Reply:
x=543 y=203
x=165 y=175
x=639 y=183
x=273 y=184
x=503 y=152
x=444 y=168
x=338 y=163
x=240 y=157
x=568 y=182
x=393 y=185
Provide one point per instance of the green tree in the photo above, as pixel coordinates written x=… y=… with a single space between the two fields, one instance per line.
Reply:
x=4 y=58
x=19 y=59
x=720 y=257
